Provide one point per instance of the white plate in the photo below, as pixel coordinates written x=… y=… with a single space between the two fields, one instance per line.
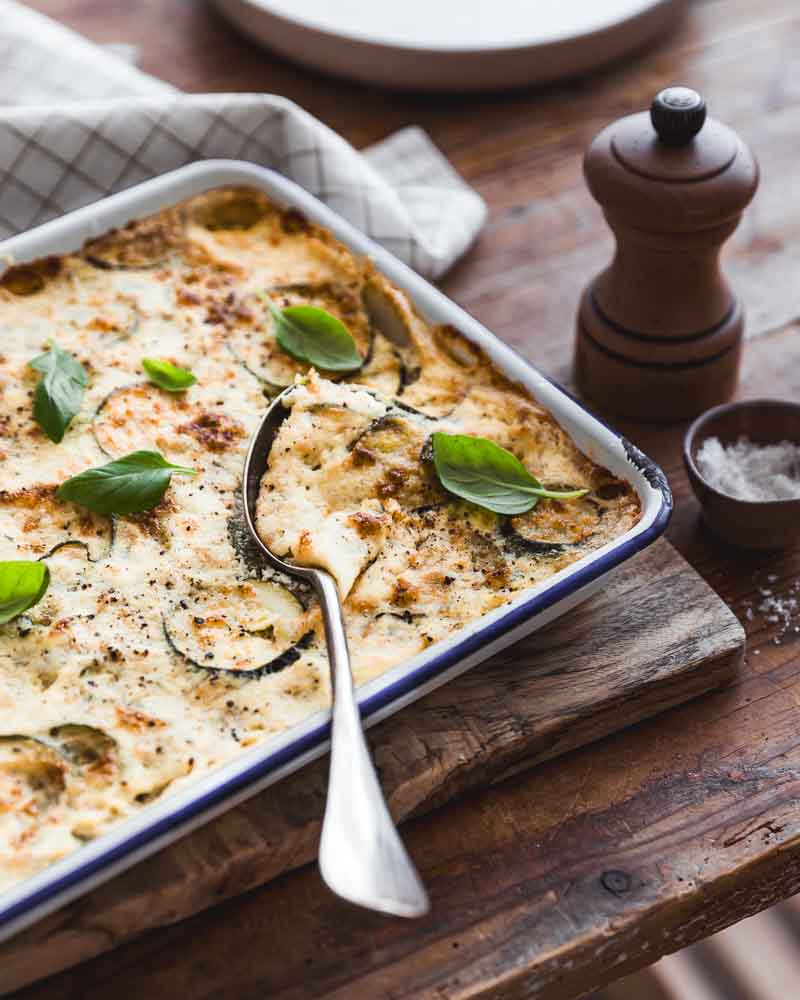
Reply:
x=453 y=44
x=175 y=815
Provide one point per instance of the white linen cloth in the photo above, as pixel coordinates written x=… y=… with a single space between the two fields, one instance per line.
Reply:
x=78 y=122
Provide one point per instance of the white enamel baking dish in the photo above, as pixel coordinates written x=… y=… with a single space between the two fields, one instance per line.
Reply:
x=175 y=815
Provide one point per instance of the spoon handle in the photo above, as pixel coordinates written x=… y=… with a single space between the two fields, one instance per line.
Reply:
x=361 y=856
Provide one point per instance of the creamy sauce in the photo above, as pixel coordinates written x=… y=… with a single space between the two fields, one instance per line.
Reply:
x=164 y=646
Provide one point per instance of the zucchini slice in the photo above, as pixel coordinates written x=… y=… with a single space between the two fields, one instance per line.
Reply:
x=39 y=525
x=28 y=279
x=386 y=458
x=253 y=344
x=32 y=776
x=389 y=421
x=273 y=666
x=518 y=543
x=455 y=346
x=553 y=525
x=120 y=320
x=409 y=374
x=140 y=245
x=105 y=312
x=444 y=561
x=386 y=313
x=437 y=363
x=246 y=629
x=106 y=417
x=236 y=209
x=432 y=364
x=245 y=358
x=430 y=396
x=395 y=324
x=142 y=416
x=82 y=745
x=388 y=634
x=384 y=370
x=80 y=544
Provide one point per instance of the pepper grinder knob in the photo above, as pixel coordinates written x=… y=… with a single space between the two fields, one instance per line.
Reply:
x=659 y=331
x=677 y=114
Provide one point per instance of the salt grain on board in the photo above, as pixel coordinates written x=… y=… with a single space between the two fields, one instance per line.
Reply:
x=782 y=611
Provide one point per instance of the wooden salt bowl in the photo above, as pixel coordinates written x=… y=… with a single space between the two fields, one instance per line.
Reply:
x=749 y=524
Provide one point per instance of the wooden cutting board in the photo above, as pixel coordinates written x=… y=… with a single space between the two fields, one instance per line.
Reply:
x=656 y=635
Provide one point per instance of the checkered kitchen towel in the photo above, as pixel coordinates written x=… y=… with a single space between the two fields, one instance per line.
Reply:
x=82 y=123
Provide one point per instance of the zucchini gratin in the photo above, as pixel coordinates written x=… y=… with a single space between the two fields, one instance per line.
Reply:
x=164 y=645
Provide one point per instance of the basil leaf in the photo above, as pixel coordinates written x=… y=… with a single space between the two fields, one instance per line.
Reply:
x=168 y=376
x=22 y=584
x=128 y=485
x=60 y=391
x=482 y=472
x=316 y=336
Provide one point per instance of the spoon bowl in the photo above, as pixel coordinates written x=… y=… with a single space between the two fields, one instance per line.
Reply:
x=361 y=855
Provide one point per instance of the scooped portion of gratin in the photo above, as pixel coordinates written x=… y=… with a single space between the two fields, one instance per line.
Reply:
x=351 y=487
x=143 y=640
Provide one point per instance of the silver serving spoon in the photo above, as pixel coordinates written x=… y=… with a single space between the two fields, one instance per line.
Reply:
x=361 y=856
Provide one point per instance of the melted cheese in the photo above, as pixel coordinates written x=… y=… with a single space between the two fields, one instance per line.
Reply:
x=164 y=646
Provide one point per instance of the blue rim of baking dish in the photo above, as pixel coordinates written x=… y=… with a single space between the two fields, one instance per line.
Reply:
x=370 y=704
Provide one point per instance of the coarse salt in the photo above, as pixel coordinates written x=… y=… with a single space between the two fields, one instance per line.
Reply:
x=781 y=611
x=750 y=471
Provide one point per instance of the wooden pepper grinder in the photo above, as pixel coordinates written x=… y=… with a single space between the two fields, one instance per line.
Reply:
x=659 y=332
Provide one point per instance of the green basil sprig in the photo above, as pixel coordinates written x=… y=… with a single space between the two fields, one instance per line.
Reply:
x=168 y=376
x=315 y=336
x=126 y=486
x=22 y=584
x=60 y=391
x=482 y=472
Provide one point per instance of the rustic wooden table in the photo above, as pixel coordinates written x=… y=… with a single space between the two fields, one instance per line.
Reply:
x=566 y=877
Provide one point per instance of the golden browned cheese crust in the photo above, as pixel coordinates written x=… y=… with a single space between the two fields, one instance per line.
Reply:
x=164 y=646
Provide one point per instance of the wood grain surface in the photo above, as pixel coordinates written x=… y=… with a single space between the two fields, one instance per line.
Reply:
x=656 y=636
x=696 y=814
